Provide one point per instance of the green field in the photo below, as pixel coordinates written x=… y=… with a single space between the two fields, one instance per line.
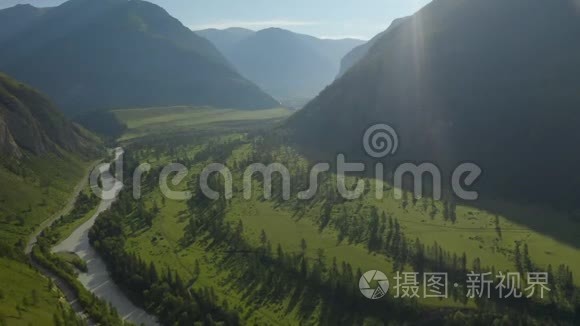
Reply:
x=150 y=121
x=481 y=234
x=24 y=288
x=62 y=228
x=29 y=198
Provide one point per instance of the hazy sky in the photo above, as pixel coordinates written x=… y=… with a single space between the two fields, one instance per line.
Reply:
x=322 y=18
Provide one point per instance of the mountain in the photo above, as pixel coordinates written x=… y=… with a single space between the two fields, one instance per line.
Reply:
x=225 y=40
x=14 y=20
x=104 y=54
x=288 y=65
x=43 y=157
x=356 y=54
x=30 y=124
x=488 y=81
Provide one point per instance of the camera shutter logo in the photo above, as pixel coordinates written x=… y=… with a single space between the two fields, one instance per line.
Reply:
x=379 y=291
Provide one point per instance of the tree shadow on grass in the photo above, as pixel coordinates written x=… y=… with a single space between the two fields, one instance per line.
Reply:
x=559 y=226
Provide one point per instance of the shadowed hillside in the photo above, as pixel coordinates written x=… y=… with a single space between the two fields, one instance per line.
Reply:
x=358 y=53
x=492 y=82
x=29 y=123
x=14 y=20
x=90 y=55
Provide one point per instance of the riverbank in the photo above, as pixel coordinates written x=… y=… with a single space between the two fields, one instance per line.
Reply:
x=65 y=288
x=96 y=280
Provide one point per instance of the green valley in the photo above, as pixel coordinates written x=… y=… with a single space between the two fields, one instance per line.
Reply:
x=36 y=189
x=232 y=163
x=329 y=235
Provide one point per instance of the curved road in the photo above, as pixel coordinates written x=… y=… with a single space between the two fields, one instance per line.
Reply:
x=97 y=279
x=64 y=287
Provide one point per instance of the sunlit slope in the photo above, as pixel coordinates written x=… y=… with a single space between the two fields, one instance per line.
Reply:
x=43 y=158
x=158 y=120
x=339 y=231
x=487 y=81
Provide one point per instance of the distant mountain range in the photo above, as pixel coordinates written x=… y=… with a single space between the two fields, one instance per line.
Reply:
x=104 y=54
x=358 y=53
x=31 y=125
x=14 y=20
x=288 y=65
x=494 y=82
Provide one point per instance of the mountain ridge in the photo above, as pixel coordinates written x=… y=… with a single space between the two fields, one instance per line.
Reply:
x=181 y=67
x=13 y=20
x=290 y=66
x=30 y=124
x=457 y=89
x=358 y=53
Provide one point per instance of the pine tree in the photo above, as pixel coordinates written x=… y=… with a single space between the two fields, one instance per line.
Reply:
x=518 y=257
x=320 y=256
x=303 y=246
x=434 y=209
x=56 y=320
x=34 y=295
x=453 y=211
x=303 y=267
x=419 y=259
x=239 y=232
x=497 y=227
x=405 y=198
x=396 y=243
x=197 y=269
x=550 y=272
x=463 y=263
x=390 y=233
x=403 y=251
x=526 y=259
x=153 y=276
x=179 y=286
x=373 y=230
x=280 y=252
x=263 y=238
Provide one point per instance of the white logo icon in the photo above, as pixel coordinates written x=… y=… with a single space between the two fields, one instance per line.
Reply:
x=380 y=140
x=379 y=291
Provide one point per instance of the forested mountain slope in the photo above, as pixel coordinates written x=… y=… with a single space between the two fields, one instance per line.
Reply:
x=358 y=53
x=90 y=55
x=43 y=156
x=30 y=123
x=488 y=81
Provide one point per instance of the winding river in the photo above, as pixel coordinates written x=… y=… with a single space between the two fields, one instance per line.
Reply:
x=97 y=279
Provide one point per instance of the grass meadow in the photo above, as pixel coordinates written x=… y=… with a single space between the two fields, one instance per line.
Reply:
x=477 y=232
